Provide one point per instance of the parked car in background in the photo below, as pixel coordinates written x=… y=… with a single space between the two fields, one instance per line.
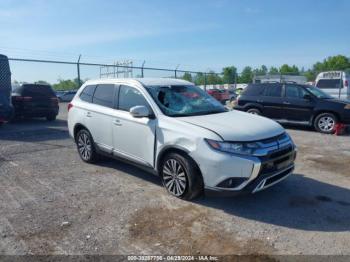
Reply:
x=35 y=100
x=294 y=103
x=6 y=109
x=222 y=95
x=66 y=96
x=233 y=94
x=188 y=138
x=334 y=83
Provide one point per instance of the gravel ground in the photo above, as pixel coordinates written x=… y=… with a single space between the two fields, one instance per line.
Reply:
x=53 y=203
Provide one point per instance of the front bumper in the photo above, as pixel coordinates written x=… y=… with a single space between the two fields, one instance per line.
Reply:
x=253 y=173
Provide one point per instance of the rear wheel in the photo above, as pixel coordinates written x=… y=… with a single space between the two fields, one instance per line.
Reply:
x=85 y=146
x=325 y=123
x=181 y=176
x=254 y=111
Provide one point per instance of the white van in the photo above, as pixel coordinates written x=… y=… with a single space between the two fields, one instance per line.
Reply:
x=335 y=83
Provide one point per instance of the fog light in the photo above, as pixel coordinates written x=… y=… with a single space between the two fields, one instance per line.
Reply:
x=232 y=182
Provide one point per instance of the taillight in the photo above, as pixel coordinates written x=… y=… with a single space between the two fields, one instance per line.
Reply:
x=346 y=83
x=22 y=98
x=70 y=105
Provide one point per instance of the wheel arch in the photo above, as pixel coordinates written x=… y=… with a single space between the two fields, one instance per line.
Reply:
x=77 y=128
x=319 y=112
x=173 y=149
x=253 y=105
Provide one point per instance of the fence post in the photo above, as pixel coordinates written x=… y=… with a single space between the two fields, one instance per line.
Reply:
x=205 y=81
x=78 y=68
x=176 y=71
x=143 y=64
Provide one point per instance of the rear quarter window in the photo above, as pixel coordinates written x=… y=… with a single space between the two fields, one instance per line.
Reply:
x=87 y=94
x=253 y=90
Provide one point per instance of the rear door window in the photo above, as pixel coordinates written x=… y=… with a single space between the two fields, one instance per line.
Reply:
x=294 y=91
x=88 y=93
x=104 y=95
x=273 y=90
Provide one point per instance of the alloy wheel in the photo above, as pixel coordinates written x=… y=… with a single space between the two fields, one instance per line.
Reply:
x=84 y=146
x=326 y=123
x=174 y=177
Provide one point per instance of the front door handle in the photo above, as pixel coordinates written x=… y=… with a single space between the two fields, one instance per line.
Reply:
x=88 y=114
x=116 y=122
x=286 y=103
x=259 y=101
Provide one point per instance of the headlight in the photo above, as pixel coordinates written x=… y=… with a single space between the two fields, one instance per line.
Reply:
x=347 y=106
x=235 y=148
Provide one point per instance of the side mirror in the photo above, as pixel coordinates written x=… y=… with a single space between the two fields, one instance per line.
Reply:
x=307 y=97
x=140 y=111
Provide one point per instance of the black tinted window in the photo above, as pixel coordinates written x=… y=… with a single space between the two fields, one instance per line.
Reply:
x=273 y=90
x=130 y=97
x=253 y=90
x=37 y=90
x=330 y=83
x=87 y=93
x=104 y=95
x=293 y=91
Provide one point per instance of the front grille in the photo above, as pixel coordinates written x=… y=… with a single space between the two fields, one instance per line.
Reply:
x=277 y=160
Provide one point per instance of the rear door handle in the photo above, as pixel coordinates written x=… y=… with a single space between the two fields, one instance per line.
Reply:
x=259 y=101
x=286 y=103
x=88 y=114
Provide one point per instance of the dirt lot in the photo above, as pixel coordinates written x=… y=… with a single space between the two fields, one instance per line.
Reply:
x=114 y=208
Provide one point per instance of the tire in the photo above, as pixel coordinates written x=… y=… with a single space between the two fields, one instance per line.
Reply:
x=187 y=171
x=85 y=146
x=51 y=117
x=254 y=111
x=325 y=123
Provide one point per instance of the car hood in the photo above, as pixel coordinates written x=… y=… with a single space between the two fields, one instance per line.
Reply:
x=237 y=126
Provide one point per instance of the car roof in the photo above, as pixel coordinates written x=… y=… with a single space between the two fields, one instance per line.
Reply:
x=143 y=81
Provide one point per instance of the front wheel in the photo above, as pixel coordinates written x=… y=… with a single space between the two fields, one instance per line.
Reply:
x=325 y=123
x=181 y=176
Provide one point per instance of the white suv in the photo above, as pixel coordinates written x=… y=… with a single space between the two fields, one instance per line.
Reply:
x=179 y=132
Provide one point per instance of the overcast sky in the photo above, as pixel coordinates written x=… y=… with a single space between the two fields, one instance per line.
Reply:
x=197 y=34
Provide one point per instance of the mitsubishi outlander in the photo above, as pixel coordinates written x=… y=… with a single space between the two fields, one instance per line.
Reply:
x=179 y=132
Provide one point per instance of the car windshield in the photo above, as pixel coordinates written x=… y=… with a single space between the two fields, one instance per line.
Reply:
x=318 y=92
x=177 y=101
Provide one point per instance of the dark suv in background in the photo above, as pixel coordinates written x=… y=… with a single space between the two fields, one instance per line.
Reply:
x=295 y=103
x=35 y=100
x=6 y=109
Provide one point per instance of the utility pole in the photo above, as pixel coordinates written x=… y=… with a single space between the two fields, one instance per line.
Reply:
x=78 y=68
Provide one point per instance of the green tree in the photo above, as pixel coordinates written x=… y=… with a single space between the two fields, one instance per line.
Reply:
x=199 y=79
x=338 y=62
x=213 y=78
x=288 y=70
x=273 y=70
x=187 y=76
x=229 y=75
x=261 y=71
x=246 y=75
x=67 y=84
